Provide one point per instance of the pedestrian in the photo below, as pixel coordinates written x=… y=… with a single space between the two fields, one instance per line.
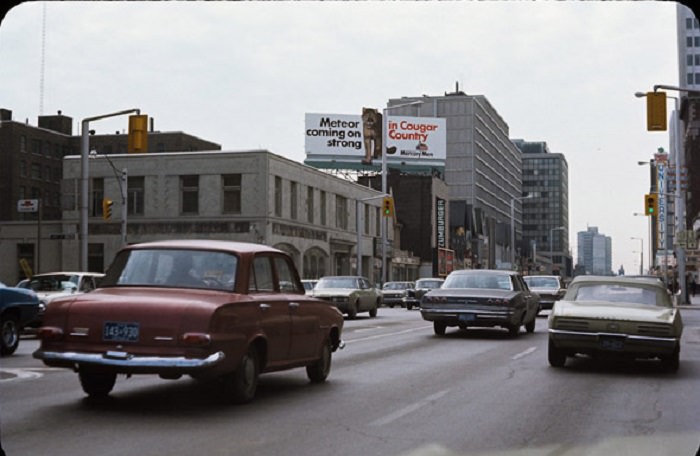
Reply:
x=693 y=284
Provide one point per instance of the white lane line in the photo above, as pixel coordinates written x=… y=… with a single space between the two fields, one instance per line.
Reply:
x=524 y=353
x=10 y=374
x=379 y=336
x=408 y=409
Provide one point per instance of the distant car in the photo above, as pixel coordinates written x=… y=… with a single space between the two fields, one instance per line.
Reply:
x=550 y=288
x=18 y=307
x=309 y=285
x=481 y=298
x=393 y=293
x=350 y=294
x=422 y=286
x=615 y=316
x=51 y=285
x=208 y=309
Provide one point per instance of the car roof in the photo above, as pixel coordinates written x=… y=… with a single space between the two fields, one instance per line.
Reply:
x=46 y=274
x=651 y=280
x=204 y=244
x=487 y=271
x=544 y=276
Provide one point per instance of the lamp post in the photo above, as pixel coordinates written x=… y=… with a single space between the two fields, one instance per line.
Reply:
x=551 y=246
x=84 y=180
x=123 y=189
x=651 y=258
x=512 y=225
x=641 y=254
x=385 y=228
x=358 y=223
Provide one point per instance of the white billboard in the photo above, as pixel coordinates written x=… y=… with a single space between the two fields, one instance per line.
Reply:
x=357 y=139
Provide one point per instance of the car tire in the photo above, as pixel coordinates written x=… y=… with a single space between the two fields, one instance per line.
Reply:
x=9 y=335
x=530 y=326
x=409 y=306
x=373 y=311
x=555 y=356
x=352 y=311
x=319 y=370
x=241 y=384
x=439 y=328
x=97 y=384
x=671 y=363
x=513 y=330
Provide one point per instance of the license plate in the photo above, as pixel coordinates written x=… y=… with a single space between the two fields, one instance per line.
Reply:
x=467 y=317
x=613 y=344
x=117 y=331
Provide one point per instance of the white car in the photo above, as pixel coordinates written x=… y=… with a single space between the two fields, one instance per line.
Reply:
x=51 y=285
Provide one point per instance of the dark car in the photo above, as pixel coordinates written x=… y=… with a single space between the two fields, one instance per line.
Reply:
x=422 y=286
x=207 y=309
x=481 y=298
x=550 y=289
x=18 y=307
x=393 y=293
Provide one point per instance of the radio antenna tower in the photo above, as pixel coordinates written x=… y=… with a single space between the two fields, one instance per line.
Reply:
x=43 y=58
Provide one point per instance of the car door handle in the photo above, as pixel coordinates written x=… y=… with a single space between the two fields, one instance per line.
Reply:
x=294 y=305
x=264 y=306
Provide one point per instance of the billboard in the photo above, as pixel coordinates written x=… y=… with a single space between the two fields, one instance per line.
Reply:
x=356 y=140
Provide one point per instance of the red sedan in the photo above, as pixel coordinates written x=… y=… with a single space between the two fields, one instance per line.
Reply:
x=200 y=308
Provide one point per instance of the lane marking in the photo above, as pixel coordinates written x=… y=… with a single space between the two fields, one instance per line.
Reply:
x=524 y=353
x=379 y=336
x=408 y=409
x=11 y=374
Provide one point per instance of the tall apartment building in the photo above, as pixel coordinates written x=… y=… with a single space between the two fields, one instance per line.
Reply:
x=594 y=252
x=483 y=175
x=688 y=30
x=546 y=214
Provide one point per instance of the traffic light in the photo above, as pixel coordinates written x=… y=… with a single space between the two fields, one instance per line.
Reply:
x=388 y=207
x=656 y=111
x=138 y=134
x=651 y=204
x=107 y=208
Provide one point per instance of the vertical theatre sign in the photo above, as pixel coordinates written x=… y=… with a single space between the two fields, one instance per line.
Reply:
x=440 y=228
x=661 y=160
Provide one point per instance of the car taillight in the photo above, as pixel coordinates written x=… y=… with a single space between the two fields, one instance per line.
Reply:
x=50 y=333
x=196 y=339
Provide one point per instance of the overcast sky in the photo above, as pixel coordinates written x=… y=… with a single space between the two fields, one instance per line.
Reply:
x=243 y=74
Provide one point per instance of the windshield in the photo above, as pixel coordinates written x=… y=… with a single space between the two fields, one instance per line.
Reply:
x=615 y=293
x=53 y=283
x=542 y=282
x=478 y=280
x=429 y=284
x=397 y=286
x=337 y=282
x=173 y=268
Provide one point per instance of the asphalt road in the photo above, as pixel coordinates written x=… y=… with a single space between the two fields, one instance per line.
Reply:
x=396 y=389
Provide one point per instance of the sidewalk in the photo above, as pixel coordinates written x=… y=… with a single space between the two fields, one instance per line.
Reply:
x=694 y=302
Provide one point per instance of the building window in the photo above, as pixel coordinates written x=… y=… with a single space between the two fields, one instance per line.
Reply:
x=25 y=253
x=688 y=23
x=36 y=171
x=23 y=168
x=322 y=203
x=310 y=204
x=47 y=173
x=367 y=217
x=278 y=196
x=689 y=41
x=696 y=41
x=294 y=198
x=697 y=78
x=189 y=192
x=689 y=60
x=22 y=143
x=96 y=258
x=232 y=193
x=341 y=212
x=36 y=147
x=135 y=195
x=98 y=193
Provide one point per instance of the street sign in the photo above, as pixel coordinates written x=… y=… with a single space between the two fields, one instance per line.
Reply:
x=27 y=205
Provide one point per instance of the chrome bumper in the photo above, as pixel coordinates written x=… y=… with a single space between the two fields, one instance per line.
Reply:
x=128 y=363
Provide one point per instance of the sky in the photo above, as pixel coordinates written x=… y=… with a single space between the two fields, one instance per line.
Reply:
x=243 y=75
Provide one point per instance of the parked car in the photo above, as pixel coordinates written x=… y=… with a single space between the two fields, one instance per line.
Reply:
x=393 y=293
x=350 y=294
x=309 y=285
x=615 y=316
x=422 y=286
x=550 y=288
x=18 y=306
x=51 y=285
x=482 y=298
x=207 y=309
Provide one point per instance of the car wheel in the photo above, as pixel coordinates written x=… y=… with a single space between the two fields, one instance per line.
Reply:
x=97 y=384
x=409 y=306
x=352 y=311
x=241 y=384
x=9 y=335
x=513 y=330
x=373 y=311
x=439 y=328
x=318 y=371
x=555 y=356
x=671 y=363
x=530 y=326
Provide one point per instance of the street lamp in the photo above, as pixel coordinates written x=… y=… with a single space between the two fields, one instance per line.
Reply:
x=551 y=246
x=84 y=179
x=651 y=257
x=512 y=224
x=385 y=128
x=123 y=183
x=641 y=254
